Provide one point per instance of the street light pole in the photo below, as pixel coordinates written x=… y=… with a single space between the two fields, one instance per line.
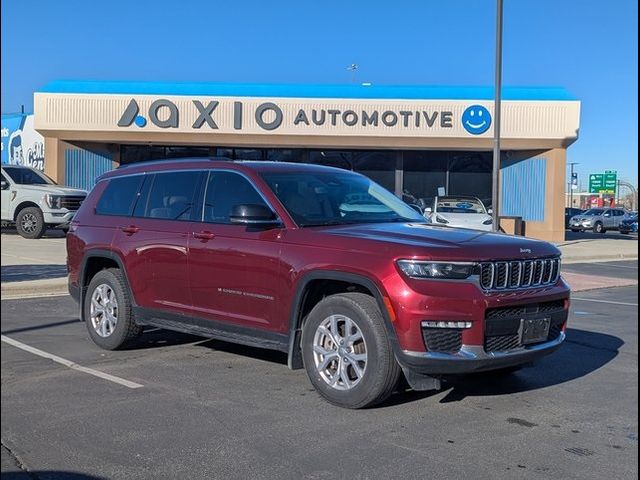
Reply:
x=495 y=196
x=571 y=185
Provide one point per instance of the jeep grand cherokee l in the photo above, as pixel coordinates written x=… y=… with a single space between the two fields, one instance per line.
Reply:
x=321 y=263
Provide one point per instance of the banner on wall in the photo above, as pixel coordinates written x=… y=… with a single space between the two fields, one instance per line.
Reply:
x=21 y=144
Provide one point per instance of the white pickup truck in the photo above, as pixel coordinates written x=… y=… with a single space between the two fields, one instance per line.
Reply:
x=34 y=202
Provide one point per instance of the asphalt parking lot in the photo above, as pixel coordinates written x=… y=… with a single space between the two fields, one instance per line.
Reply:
x=208 y=409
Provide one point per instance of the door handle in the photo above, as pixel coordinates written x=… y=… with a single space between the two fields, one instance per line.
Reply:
x=130 y=230
x=204 y=235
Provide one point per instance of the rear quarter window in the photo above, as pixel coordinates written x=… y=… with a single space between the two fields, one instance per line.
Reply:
x=119 y=197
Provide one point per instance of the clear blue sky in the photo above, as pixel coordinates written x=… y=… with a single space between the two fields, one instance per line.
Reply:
x=589 y=47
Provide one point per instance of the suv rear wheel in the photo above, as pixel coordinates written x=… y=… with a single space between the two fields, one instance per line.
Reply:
x=347 y=353
x=30 y=223
x=598 y=228
x=107 y=310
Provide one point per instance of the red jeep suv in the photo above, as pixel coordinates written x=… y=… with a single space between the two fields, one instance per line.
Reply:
x=321 y=263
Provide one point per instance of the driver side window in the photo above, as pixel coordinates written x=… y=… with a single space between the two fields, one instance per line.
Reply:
x=223 y=191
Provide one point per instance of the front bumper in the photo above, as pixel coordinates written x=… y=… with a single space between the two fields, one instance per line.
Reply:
x=58 y=218
x=473 y=358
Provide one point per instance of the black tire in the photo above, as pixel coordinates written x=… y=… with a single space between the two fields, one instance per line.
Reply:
x=575 y=230
x=625 y=232
x=125 y=330
x=381 y=372
x=30 y=223
x=598 y=228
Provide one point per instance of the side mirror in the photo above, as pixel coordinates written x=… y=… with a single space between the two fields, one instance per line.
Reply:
x=5 y=184
x=490 y=211
x=607 y=215
x=428 y=211
x=253 y=214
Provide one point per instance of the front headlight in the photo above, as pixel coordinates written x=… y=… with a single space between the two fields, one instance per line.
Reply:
x=488 y=221
x=439 y=270
x=53 y=201
x=439 y=219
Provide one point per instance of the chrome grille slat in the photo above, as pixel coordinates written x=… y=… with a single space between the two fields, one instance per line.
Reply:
x=516 y=274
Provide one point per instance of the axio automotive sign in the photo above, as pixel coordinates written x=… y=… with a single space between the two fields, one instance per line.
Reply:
x=269 y=116
x=21 y=144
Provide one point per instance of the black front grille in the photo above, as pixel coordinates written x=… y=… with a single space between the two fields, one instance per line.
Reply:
x=502 y=325
x=71 y=203
x=501 y=343
x=444 y=340
x=519 y=273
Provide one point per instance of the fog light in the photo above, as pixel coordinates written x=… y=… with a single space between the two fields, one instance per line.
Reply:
x=441 y=324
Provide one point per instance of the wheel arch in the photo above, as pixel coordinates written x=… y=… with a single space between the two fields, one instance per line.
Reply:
x=94 y=261
x=22 y=205
x=306 y=296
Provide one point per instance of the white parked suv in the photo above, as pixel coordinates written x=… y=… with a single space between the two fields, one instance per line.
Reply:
x=34 y=202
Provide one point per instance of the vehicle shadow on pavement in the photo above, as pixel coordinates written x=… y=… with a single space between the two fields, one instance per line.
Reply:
x=50 y=233
x=22 y=273
x=51 y=474
x=272 y=356
x=582 y=353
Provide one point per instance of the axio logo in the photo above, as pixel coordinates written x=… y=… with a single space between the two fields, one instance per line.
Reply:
x=476 y=119
x=164 y=114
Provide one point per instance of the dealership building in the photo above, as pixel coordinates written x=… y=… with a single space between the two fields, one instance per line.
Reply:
x=416 y=141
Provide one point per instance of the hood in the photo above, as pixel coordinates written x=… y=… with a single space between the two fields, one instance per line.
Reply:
x=52 y=189
x=441 y=242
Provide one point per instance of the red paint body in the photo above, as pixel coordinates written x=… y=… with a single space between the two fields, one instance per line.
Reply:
x=170 y=269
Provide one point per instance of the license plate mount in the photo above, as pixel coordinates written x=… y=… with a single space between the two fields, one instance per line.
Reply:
x=535 y=330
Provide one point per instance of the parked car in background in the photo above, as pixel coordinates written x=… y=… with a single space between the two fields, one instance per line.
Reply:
x=569 y=213
x=34 y=202
x=630 y=224
x=598 y=219
x=320 y=263
x=460 y=211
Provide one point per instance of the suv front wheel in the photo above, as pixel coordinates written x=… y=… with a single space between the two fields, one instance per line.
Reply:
x=347 y=353
x=30 y=223
x=107 y=310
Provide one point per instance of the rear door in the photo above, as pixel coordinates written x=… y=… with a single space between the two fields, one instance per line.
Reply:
x=608 y=219
x=156 y=237
x=234 y=269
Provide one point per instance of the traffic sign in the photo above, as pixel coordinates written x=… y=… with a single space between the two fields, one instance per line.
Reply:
x=606 y=182
x=596 y=182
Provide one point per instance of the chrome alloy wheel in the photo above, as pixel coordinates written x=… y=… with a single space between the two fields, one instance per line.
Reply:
x=29 y=222
x=104 y=310
x=340 y=352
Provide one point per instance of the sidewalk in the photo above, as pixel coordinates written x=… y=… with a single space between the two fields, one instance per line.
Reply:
x=586 y=250
x=33 y=267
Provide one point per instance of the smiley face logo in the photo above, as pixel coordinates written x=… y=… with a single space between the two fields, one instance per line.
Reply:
x=476 y=119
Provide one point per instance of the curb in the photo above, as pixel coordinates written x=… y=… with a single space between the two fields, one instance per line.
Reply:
x=567 y=260
x=35 y=288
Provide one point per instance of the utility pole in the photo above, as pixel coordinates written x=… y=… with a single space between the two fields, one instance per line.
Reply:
x=572 y=164
x=495 y=194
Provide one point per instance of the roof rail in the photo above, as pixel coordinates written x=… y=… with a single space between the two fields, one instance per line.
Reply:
x=181 y=160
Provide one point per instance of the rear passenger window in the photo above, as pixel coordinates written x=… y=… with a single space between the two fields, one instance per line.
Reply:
x=119 y=196
x=223 y=191
x=170 y=195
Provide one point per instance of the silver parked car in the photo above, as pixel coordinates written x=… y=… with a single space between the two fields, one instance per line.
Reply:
x=598 y=219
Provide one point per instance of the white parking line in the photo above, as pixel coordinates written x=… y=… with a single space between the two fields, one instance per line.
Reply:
x=605 y=301
x=70 y=364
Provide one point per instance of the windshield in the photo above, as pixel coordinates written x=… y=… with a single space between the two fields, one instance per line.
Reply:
x=337 y=198
x=27 y=176
x=593 y=212
x=459 y=205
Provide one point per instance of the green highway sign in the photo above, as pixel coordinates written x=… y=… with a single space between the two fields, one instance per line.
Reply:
x=606 y=182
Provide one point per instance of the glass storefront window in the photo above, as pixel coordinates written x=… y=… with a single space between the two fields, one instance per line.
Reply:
x=424 y=173
x=470 y=174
